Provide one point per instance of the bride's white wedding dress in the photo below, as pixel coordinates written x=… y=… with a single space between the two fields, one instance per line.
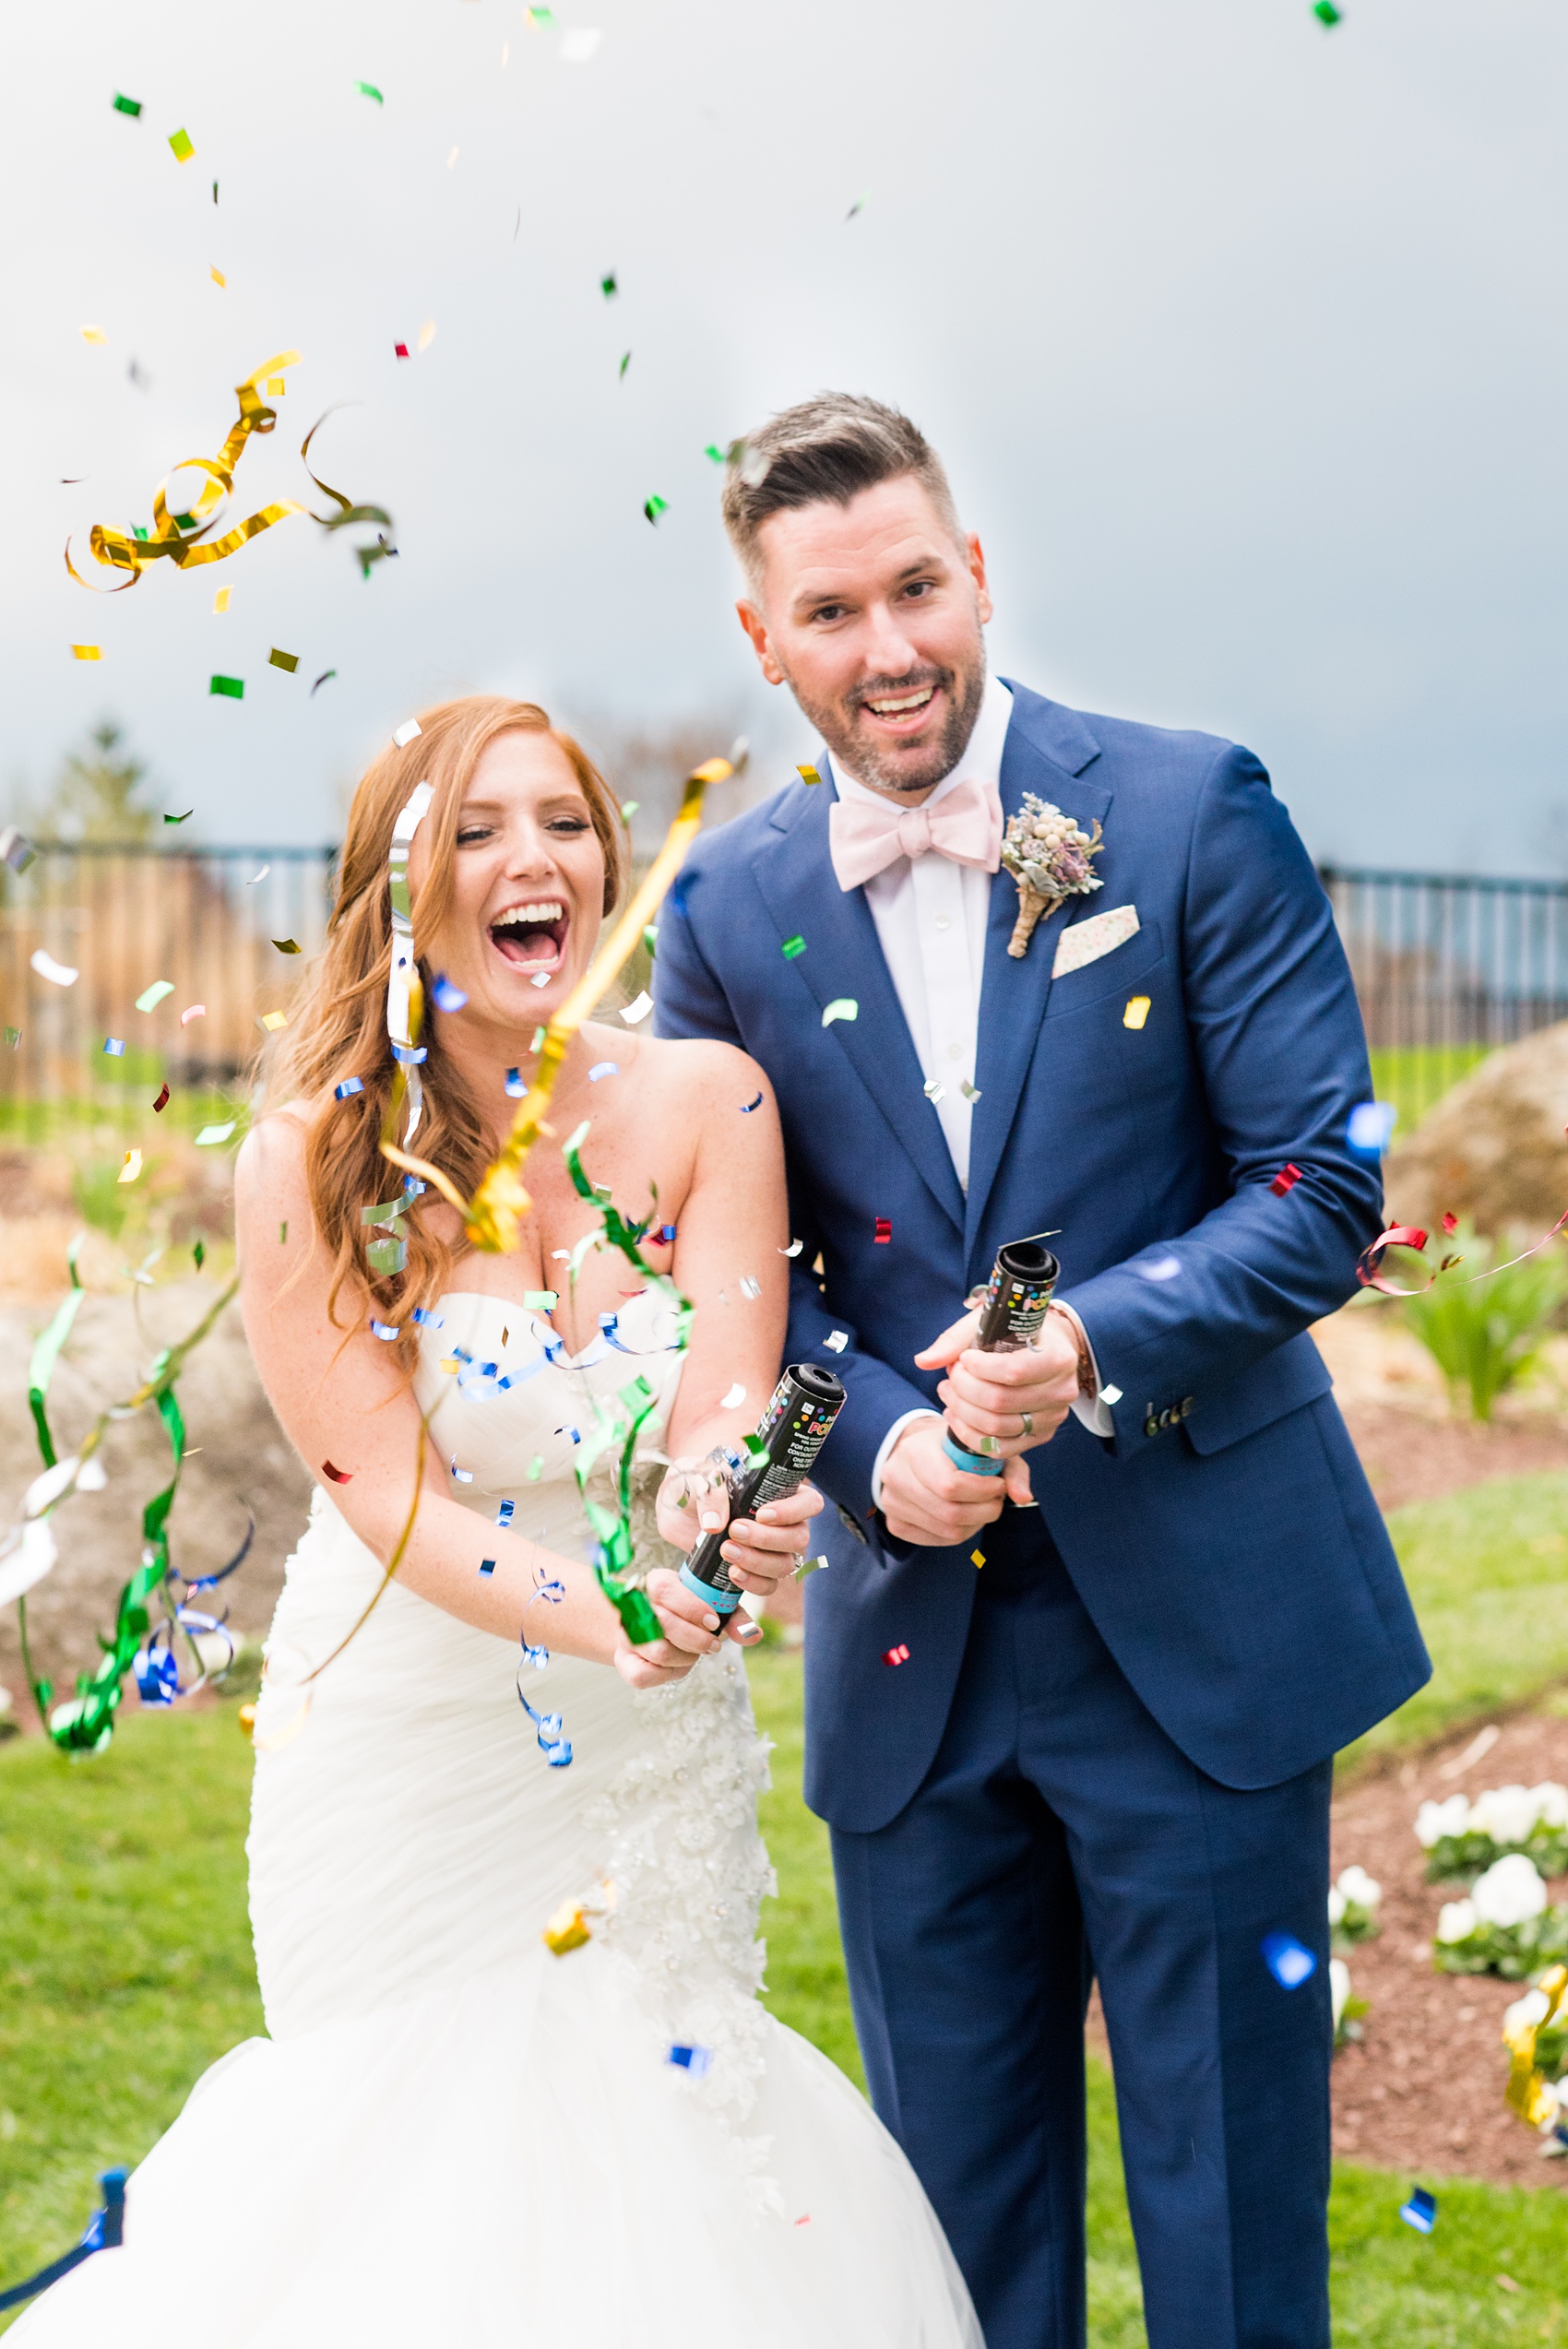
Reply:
x=453 y=2135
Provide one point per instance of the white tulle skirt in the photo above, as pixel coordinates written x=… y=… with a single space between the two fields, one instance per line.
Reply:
x=454 y=2136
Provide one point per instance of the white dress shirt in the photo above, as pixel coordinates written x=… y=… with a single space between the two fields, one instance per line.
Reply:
x=931 y=918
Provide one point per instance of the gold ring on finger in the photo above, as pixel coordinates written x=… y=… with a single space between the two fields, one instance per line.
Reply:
x=1028 y=1422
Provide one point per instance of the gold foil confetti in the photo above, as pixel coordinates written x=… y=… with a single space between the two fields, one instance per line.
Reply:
x=221 y=600
x=217 y=277
x=181 y=144
x=288 y=661
x=1137 y=1011
x=85 y=652
x=94 y=334
x=427 y=334
x=132 y=1167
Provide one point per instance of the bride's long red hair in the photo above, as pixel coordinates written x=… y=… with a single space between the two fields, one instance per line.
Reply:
x=339 y=1027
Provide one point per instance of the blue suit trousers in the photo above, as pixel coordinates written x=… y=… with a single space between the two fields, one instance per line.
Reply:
x=1061 y=1836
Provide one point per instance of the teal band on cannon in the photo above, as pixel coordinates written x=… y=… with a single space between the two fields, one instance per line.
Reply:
x=722 y=1602
x=974 y=1464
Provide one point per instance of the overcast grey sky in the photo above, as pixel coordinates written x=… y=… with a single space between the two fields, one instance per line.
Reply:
x=1243 y=340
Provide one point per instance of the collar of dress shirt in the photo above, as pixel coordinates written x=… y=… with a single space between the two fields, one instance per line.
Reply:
x=981 y=762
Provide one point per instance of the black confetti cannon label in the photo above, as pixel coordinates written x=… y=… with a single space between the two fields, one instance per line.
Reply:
x=1015 y=1304
x=789 y=1434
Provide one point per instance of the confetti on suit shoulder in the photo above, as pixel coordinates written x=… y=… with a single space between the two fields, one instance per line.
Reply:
x=1420 y=2211
x=94 y=334
x=179 y=142
x=976 y=1558
x=841 y=1007
x=747 y=1107
x=229 y=688
x=337 y=1476
x=884 y=1231
x=131 y=106
x=406 y=732
x=115 y=1046
x=899 y=1655
x=162 y=1103
x=836 y=1341
x=217 y=277
x=692 y=2060
x=793 y=947
x=1290 y=1175
x=444 y=996
x=1369 y=1127
x=654 y=507
x=288 y=661
x=286 y=946
x=322 y=680
x=369 y=89
x=87 y=652
x=211 y=1135
x=57 y=974
x=1136 y=1013
x=196 y=1011
x=1289 y=1962
x=808 y=775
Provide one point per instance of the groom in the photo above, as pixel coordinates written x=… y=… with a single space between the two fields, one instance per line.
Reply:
x=1075 y=1722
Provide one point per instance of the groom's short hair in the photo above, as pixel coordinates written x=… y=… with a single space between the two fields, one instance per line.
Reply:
x=830 y=447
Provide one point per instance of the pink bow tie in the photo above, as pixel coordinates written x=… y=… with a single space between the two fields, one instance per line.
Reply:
x=865 y=836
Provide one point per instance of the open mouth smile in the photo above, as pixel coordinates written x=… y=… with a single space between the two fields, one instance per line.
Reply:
x=532 y=935
x=904 y=711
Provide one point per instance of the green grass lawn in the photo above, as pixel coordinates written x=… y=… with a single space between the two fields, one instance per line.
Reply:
x=125 y=1968
x=1488 y=1571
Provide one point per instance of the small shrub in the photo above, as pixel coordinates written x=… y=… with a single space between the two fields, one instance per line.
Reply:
x=1485 y=1334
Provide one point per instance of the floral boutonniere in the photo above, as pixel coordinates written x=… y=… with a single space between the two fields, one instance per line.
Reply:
x=1049 y=858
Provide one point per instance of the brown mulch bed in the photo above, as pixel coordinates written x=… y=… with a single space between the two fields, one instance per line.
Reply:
x=1409 y=1456
x=1423 y=2089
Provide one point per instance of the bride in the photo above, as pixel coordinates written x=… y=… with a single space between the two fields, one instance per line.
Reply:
x=518 y=2086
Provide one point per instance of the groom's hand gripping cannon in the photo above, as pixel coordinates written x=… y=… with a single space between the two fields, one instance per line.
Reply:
x=778 y=1459
x=1012 y=1310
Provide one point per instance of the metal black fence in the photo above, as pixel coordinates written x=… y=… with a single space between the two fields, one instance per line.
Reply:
x=202 y=921
x=1448 y=967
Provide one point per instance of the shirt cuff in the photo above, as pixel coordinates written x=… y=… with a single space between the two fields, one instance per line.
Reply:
x=1091 y=1410
x=885 y=1446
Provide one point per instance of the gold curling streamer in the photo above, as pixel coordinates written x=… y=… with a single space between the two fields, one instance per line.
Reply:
x=500 y=1204
x=1526 y=2092
x=184 y=546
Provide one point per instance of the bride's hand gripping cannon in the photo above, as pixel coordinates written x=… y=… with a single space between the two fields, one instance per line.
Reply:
x=776 y=1461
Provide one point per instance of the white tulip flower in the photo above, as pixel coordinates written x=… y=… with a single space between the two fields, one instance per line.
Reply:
x=1358 y=1886
x=1510 y=1891
x=1436 y=1820
x=1505 y=1813
x=1456 y=1920
x=1526 y=2013
x=1551 y=1803
x=1338 y=1986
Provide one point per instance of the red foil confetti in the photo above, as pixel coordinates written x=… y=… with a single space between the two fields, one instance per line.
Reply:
x=896 y=1656
x=1369 y=1272
x=1286 y=1179
x=884 y=1231
x=400 y=349
x=1451 y=1225
x=162 y=1101
x=338 y=1476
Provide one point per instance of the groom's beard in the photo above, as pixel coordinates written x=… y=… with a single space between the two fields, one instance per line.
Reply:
x=901 y=770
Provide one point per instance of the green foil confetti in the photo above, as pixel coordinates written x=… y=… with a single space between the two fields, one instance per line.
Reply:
x=234 y=687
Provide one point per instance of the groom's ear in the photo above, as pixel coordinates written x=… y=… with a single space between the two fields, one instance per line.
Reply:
x=756 y=626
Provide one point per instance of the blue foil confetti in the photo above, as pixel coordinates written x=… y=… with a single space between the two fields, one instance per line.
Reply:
x=1287 y=1960
x=429 y=1321
x=383 y=1330
x=1420 y=2211
x=505 y=1514
x=487 y=1566
x=115 y=1047
x=692 y=2060
x=599 y=1068
x=446 y=997
x=460 y=1475
x=349 y=1084
x=1369 y=1127
x=515 y=1085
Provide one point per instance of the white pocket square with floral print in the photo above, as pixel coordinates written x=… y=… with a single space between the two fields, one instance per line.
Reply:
x=1085 y=942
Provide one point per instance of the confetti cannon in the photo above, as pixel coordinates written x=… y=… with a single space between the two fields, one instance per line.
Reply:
x=777 y=1460
x=1012 y=1308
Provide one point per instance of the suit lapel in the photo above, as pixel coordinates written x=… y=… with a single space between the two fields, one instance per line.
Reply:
x=1048 y=751
x=843 y=956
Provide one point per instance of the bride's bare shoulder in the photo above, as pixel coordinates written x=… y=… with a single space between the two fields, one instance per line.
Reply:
x=705 y=1076
x=270 y=1173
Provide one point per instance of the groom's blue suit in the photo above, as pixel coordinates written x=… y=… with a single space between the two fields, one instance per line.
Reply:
x=1109 y=1749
